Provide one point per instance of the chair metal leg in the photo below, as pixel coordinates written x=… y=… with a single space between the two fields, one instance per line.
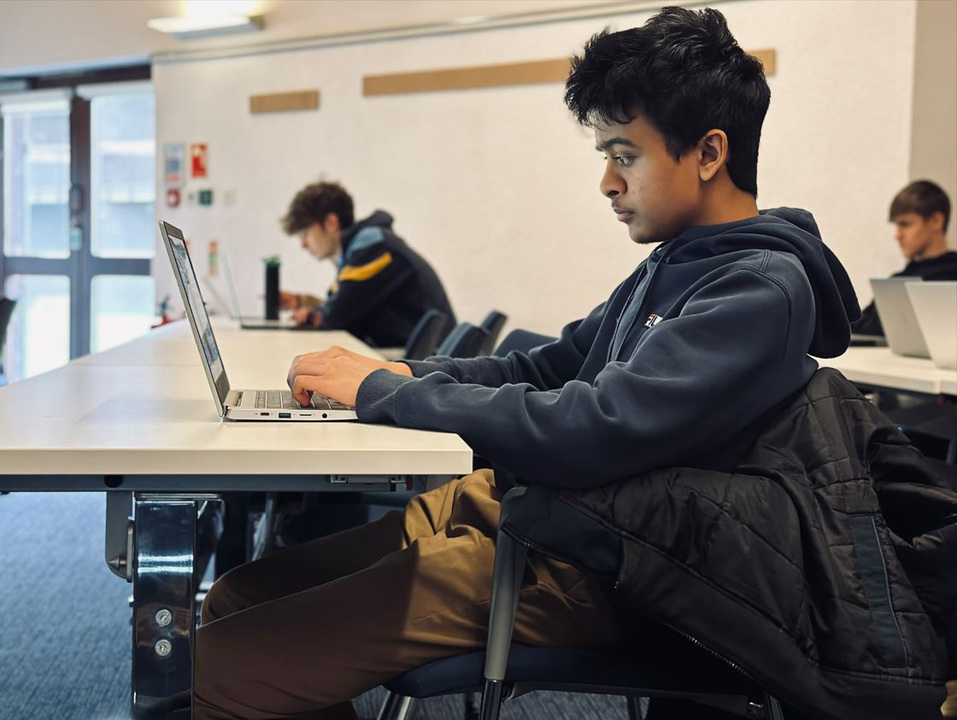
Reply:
x=491 y=700
x=636 y=708
x=396 y=707
x=772 y=708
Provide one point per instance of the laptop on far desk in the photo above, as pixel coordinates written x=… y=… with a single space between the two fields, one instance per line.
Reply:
x=250 y=323
x=236 y=404
x=897 y=316
x=935 y=304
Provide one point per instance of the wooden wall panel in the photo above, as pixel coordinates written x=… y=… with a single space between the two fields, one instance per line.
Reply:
x=490 y=76
x=284 y=102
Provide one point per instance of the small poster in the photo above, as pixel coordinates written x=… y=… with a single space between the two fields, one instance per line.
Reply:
x=199 y=160
x=173 y=156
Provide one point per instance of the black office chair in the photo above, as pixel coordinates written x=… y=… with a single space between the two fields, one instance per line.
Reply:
x=6 y=312
x=464 y=341
x=426 y=335
x=523 y=341
x=652 y=670
x=492 y=324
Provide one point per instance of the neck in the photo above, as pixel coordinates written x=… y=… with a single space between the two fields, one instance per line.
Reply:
x=727 y=203
x=935 y=248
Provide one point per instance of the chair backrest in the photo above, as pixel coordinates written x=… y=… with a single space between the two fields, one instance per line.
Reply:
x=492 y=324
x=6 y=311
x=426 y=335
x=523 y=341
x=464 y=341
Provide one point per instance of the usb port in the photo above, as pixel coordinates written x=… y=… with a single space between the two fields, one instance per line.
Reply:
x=285 y=415
x=265 y=414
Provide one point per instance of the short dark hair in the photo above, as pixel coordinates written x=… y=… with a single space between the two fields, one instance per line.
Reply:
x=313 y=204
x=684 y=71
x=922 y=197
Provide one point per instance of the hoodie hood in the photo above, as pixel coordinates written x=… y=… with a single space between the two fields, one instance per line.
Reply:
x=378 y=219
x=792 y=231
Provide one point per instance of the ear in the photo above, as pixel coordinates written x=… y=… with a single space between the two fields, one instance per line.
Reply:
x=936 y=221
x=712 y=153
x=331 y=223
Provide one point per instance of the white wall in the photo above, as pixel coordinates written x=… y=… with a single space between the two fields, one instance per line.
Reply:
x=934 y=130
x=498 y=187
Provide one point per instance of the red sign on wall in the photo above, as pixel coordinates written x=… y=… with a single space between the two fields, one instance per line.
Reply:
x=199 y=160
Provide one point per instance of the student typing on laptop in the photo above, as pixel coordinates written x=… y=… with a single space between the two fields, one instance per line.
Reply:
x=920 y=213
x=383 y=286
x=699 y=341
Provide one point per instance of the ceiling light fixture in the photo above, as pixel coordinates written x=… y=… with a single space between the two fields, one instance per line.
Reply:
x=189 y=27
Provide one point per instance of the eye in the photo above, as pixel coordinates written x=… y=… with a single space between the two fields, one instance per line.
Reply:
x=623 y=160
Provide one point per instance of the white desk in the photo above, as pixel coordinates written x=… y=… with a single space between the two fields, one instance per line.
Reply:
x=879 y=367
x=139 y=421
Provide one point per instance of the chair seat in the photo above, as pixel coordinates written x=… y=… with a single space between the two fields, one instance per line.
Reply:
x=564 y=668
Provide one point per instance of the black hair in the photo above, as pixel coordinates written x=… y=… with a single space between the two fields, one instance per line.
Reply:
x=685 y=72
x=922 y=197
x=313 y=204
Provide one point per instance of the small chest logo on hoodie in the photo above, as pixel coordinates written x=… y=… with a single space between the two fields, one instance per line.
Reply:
x=653 y=320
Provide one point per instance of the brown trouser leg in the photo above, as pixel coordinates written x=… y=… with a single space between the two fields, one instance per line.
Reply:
x=299 y=634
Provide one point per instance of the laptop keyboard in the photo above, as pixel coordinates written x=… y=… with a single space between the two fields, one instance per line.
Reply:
x=280 y=399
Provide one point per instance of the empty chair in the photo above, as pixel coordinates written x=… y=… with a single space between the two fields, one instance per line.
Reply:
x=6 y=311
x=492 y=324
x=523 y=341
x=464 y=341
x=426 y=335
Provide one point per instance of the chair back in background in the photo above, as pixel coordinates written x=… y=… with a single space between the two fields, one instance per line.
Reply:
x=426 y=335
x=492 y=324
x=464 y=341
x=523 y=341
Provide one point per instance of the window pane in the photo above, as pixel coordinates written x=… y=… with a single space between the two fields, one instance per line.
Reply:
x=121 y=309
x=123 y=151
x=38 y=338
x=36 y=146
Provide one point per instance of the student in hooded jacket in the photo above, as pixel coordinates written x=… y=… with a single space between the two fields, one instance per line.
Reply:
x=383 y=287
x=716 y=327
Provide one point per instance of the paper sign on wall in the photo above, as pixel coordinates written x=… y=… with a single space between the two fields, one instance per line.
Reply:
x=173 y=156
x=199 y=160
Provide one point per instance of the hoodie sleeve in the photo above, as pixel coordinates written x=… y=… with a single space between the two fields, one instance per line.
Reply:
x=738 y=347
x=544 y=368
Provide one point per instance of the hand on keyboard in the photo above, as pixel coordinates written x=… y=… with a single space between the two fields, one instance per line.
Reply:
x=337 y=373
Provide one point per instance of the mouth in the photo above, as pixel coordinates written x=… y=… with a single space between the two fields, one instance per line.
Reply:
x=622 y=214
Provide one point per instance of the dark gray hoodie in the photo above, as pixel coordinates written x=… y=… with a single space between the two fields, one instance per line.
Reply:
x=709 y=334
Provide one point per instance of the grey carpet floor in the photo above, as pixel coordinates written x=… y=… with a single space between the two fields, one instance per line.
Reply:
x=65 y=625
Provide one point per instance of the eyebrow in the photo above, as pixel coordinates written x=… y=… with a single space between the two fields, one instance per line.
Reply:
x=601 y=147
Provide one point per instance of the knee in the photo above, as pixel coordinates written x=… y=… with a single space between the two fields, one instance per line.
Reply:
x=224 y=598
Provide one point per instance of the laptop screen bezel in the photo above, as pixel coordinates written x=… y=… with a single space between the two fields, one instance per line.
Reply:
x=219 y=385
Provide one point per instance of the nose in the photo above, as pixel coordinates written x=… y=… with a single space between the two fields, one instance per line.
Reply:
x=611 y=184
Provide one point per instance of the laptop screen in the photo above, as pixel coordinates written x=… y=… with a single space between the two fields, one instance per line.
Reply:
x=196 y=307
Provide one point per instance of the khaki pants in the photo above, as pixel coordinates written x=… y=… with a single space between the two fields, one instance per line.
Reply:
x=299 y=634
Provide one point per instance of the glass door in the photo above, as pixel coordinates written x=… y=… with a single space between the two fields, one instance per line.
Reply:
x=37 y=259
x=78 y=192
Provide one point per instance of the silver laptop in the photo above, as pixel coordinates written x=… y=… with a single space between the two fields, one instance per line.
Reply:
x=250 y=323
x=236 y=404
x=897 y=316
x=935 y=304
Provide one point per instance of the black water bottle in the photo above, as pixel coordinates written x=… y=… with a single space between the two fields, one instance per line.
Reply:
x=272 y=288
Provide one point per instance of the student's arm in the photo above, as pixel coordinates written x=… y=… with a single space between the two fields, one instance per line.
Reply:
x=738 y=347
x=371 y=276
